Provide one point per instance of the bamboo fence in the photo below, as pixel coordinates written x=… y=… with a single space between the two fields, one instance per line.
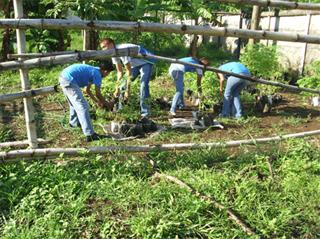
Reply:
x=67 y=58
x=28 y=93
x=248 y=78
x=277 y=3
x=54 y=152
x=156 y=27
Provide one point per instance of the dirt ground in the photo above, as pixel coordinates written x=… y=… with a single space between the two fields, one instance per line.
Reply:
x=294 y=114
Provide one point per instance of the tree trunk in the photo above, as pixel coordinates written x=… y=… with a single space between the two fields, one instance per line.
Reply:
x=6 y=35
x=193 y=50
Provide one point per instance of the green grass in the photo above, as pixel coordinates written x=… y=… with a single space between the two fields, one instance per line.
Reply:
x=115 y=197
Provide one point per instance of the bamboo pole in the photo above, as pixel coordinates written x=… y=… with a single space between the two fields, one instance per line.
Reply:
x=231 y=213
x=22 y=143
x=28 y=93
x=255 y=20
x=156 y=27
x=25 y=84
x=248 y=78
x=276 y=3
x=68 y=58
x=33 y=55
x=305 y=45
x=49 y=152
x=290 y=13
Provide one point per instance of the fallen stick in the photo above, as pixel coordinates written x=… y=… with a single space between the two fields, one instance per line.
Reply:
x=232 y=215
x=45 y=152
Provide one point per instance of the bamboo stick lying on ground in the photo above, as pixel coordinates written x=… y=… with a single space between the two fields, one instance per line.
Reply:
x=231 y=214
x=32 y=153
x=68 y=58
x=156 y=27
x=276 y=3
x=28 y=93
x=248 y=78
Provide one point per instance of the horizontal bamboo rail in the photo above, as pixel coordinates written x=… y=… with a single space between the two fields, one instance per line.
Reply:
x=68 y=58
x=49 y=152
x=290 y=13
x=28 y=93
x=156 y=27
x=43 y=54
x=276 y=3
x=22 y=143
x=248 y=78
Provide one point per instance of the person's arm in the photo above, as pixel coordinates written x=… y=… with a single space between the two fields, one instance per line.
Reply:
x=101 y=100
x=129 y=74
x=119 y=77
x=97 y=98
x=221 y=78
x=199 y=88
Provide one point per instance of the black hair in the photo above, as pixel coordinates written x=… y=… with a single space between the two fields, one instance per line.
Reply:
x=106 y=65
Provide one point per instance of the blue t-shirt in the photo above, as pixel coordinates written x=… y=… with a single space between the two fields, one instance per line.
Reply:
x=186 y=68
x=235 y=67
x=82 y=75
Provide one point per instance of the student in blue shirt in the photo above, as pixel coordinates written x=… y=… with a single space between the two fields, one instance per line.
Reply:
x=234 y=86
x=71 y=80
x=176 y=71
x=134 y=67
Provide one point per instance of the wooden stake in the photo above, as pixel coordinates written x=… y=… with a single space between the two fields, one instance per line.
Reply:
x=45 y=152
x=28 y=105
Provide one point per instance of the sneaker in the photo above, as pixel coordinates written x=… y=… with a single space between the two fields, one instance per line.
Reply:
x=95 y=136
x=171 y=113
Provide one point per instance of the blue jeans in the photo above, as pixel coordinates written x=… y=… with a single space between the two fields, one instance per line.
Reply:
x=231 y=100
x=79 y=107
x=177 y=100
x=145 y=75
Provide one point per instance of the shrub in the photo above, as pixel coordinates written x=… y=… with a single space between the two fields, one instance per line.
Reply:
x=312 y=76
x=262 y=61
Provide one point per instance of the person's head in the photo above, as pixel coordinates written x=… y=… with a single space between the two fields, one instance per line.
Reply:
x=106 y=67
x=204 y=61
x=107 y=43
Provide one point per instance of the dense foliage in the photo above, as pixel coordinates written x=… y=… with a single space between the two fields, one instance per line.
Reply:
x=312 y=76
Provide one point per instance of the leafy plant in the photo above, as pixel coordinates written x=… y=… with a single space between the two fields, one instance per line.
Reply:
x=312 y=76
x=262 y=61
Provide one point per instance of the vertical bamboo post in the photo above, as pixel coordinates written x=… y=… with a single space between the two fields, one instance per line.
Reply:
x=269 y=27
x=84 y=42
x=305 y=45
x=25 y=84
x=255 y=19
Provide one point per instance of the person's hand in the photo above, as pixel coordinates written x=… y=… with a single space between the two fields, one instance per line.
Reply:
x=101 y=104
x=126 y=95
x=116 y=93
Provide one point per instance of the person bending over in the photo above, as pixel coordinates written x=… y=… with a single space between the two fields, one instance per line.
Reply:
x=176 y=71
x=71 y=80
x=231 y=96
x=134 y=67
